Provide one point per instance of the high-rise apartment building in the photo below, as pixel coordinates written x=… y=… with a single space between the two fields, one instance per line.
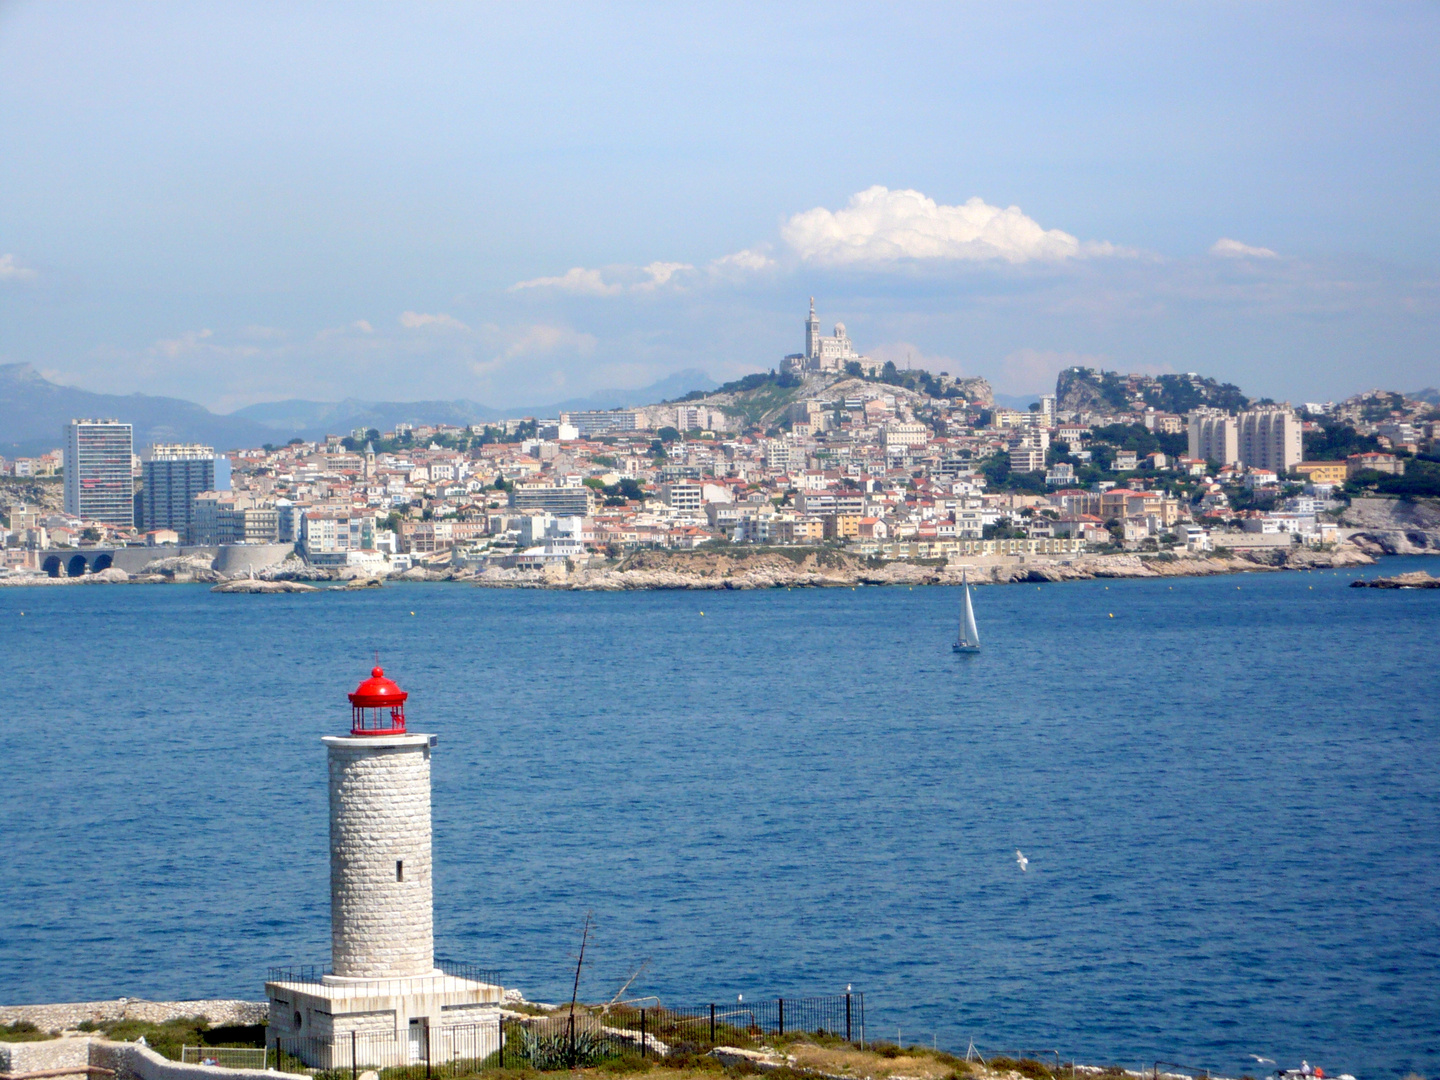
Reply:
x=172 y=475
x=1271 y=438
x=97 y=472
x=1214 y=436
x=1268 y=437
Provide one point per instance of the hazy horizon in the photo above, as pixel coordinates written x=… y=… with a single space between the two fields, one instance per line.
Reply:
x=518 y=205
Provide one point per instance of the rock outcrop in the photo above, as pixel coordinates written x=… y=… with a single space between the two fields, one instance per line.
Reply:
x=1394 y=526
x=801 y=568
x=1416 y=580
x=258 y=585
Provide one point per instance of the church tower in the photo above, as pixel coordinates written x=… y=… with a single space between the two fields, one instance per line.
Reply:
x=812 y=333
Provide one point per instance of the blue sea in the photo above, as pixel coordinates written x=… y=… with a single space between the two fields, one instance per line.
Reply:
x=1228 y=790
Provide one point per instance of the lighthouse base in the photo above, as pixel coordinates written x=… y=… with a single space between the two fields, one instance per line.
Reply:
x=361 y=1024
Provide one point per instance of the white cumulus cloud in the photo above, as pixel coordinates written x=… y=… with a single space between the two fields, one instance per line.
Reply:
x=575 y=280
x=660 y=273
x=881 y=226
x=11 y=270
x=1225 y=248
x=748 y=259
x=415 y=320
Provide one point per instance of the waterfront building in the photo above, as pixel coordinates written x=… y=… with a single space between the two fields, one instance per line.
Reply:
x=339 y=530
x=171 y=476
x=98 y=485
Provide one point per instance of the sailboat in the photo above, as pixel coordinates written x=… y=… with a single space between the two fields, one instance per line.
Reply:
x=968 y=640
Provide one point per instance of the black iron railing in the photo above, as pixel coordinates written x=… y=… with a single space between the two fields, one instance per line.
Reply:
x=315 y=973
x=560 y=1040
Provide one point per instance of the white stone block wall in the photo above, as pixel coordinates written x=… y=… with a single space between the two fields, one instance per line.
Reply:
x=381 y=925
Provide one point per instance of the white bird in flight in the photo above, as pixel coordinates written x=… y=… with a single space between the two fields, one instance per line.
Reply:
x=1263 y=1060
x=1021 y=860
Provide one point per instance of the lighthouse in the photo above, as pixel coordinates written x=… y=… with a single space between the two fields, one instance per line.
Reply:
x=381 y=903
x=383 y=982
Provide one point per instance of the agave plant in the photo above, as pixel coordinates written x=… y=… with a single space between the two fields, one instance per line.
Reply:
x=559 y=1051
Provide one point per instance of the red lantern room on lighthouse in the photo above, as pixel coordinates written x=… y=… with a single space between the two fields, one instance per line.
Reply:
x=378 y=706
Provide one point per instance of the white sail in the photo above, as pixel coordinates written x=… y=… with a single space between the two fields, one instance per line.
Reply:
x=971 y=635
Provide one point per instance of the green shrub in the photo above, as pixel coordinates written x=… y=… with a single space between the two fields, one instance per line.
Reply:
x=23 y=1031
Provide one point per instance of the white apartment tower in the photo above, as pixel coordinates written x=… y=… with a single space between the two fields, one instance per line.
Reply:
x=1268 y=437
x=1271 y=438
x=1214 y=436
x=97 y=472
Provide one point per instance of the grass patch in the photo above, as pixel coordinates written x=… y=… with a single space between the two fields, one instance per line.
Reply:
x=23 y=1031
x=1035 y=1070
x=166 y=1039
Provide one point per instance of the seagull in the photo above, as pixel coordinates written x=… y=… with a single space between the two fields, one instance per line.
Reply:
x=1021 y=860
x=1262 y=1060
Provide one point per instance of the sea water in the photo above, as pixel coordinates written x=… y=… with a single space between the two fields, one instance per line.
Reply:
x=1226 y=789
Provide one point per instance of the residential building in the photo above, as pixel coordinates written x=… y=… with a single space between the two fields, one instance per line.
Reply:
x=1026 y=458
x=1214 y=436
x=328 y=531
x=98 y=485
x=1381 y=463
x=683 y=496
x=1323 y=472
x=1270 y=438
x=602 y=422
x=561 y=501
x=171 y=476
x=841 y=527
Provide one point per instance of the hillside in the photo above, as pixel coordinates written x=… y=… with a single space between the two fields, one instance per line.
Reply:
x=1079 y=390
x=314 y=419
x=34 y=412
x=761 y=400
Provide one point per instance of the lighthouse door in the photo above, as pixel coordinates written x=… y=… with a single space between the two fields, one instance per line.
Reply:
x=417 y=1039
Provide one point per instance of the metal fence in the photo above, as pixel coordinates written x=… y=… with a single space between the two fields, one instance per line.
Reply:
x=454 y=969
x=561 y=1040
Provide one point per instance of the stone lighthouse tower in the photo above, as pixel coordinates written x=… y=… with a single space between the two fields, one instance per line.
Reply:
x=383 y=983
x=381 y=905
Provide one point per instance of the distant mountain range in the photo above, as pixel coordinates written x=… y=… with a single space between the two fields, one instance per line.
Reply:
x=34 y=412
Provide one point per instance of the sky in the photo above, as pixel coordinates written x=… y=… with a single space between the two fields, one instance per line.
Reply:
x=236 y=203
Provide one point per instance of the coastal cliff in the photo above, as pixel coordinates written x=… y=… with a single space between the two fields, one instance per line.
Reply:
x=824 y=568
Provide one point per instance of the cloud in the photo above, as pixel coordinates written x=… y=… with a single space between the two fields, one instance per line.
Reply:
x=749 y=259
x=10 y=270
x=415 y=320
x=1225 y=248
x=880 y=226
x=363 y=325
x=660 y=273
x=576 y=280
x=540 y=339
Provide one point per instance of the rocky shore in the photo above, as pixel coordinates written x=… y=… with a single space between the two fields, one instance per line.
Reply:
x=1417 y=580
x=745 y=569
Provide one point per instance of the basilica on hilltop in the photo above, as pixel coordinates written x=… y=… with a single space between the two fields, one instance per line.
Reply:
x=831 y=354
